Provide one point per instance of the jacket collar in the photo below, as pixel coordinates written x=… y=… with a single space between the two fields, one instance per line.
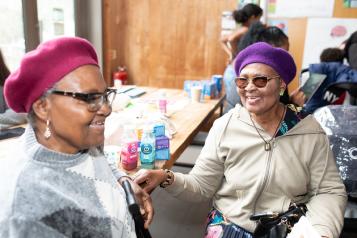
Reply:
x=308 y=125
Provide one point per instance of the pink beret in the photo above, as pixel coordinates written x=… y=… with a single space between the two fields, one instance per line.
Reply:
x=41 y=68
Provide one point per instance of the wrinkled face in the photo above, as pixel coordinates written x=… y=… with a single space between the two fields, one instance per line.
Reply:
x=259 y=100
x=73 y=126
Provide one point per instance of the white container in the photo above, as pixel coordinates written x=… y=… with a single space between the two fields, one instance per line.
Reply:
x=196 y=93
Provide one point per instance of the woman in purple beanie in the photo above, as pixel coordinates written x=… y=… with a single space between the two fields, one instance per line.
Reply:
x=57 y=182
x=261 y=158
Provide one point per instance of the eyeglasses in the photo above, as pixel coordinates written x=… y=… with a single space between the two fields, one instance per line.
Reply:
x=94 y=100
x=258 y=81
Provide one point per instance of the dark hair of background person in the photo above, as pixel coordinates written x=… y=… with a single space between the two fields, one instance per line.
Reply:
x=351 y=50
x=243 y=15
x=332 y=55
x=258 y=32
x=4 y=71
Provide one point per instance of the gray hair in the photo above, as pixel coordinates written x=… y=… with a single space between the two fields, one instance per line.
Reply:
x=31 y=115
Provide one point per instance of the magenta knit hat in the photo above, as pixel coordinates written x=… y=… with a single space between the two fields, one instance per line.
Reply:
x=279 y=59
x=41 y=68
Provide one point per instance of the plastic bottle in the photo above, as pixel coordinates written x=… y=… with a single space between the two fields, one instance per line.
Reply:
x=129 y=151
x=162 y=103
x=147 y=149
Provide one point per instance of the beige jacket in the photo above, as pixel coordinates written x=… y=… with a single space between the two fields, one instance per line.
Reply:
x=242 y=178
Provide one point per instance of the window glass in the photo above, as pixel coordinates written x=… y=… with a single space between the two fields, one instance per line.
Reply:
x=12 y=42
x=56 y=18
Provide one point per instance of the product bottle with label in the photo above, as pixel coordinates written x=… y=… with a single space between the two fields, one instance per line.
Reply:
x=147 y=149
x=129 y=150
x=162 y=103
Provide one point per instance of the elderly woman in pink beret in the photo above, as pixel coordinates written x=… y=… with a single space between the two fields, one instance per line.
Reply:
x=57 y=183
x=261 y=158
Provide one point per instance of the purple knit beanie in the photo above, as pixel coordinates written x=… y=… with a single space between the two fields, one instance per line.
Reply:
x=280 y=60
x=41 y=68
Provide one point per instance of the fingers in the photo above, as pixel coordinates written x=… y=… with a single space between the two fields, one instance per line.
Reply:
x=149 y=212
x=145 y=203
x=140 y=177
x=148 y=186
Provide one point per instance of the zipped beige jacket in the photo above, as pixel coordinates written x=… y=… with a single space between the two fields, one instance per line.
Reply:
x=244 y=179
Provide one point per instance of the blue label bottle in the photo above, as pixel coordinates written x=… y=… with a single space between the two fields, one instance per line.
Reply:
x=147 y=149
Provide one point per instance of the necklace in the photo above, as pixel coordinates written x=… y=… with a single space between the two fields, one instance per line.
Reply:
x=267 y=145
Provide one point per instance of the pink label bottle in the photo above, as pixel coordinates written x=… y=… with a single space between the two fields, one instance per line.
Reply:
x=129 y=152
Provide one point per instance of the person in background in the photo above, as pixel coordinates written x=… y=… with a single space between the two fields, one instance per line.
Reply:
x=332 y=55
x=8 y=117
x=332 y=65
x=55 y=181
x=350 y=50
x=249 y=14
x=261 y=157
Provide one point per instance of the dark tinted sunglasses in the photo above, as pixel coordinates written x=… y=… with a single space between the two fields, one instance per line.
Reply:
x=258 y=81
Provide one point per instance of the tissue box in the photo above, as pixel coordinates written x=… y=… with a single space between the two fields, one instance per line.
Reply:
x=162 y=142
x=163 y=154
x=159 y=130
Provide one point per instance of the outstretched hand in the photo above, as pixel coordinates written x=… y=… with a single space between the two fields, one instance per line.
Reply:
x=150 y=179
x=144 y=200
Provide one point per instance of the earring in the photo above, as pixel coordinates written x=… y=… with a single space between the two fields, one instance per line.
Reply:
x=281 y=93
x=47 y=133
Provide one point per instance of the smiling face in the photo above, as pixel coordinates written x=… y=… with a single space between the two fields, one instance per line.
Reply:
x=72 y=125
x=260 y=100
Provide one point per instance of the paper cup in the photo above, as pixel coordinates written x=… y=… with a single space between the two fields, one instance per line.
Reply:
x=196 y=94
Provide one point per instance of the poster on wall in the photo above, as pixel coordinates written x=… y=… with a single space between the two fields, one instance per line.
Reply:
x=300 y=8
x=322 y=33
x=228 y=24
x=350 y=3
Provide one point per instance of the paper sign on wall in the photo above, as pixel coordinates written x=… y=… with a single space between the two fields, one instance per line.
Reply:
x=322 y=33
x=300 y=8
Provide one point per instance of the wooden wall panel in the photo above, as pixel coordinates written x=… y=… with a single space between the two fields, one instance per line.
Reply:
x=296 y=34
x=162 y=42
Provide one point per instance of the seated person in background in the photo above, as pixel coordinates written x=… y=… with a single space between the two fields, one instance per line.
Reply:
x=332 y=55
x=56 y=182
x=8 y=117
x=332 y=66
x=350 y=50
x=261 y=157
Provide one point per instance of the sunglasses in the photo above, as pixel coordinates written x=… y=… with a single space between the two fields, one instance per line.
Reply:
x=94 y=100
x=258 y=81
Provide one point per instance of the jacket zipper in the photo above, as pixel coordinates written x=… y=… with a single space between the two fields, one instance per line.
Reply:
x=267 y=170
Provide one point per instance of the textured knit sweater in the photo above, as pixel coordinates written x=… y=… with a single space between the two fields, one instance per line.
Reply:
x=44 y=193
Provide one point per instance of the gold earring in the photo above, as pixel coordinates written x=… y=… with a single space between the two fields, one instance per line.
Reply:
x=281 y=93
x=47 y=133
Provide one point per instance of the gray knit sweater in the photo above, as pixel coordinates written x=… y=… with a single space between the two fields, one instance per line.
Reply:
x=44 y=193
